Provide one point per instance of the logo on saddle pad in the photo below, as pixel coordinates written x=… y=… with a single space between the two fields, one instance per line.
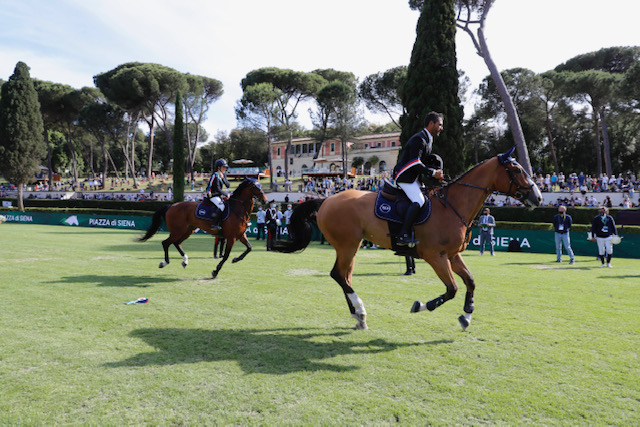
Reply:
x=394 y=211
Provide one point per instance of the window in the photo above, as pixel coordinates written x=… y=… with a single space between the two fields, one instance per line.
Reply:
x=305 y=147
x=290 y=160
x=366 y=146
x=333 y=146
x=278 y=151
x=393 y=143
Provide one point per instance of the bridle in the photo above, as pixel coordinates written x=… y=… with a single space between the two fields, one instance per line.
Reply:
x=256 y=192
x=518 y=194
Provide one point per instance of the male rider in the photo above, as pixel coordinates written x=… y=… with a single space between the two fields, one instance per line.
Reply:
x=415 y=161
x=216 y=190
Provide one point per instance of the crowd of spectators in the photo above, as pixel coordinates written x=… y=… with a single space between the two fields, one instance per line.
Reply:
x=588 y=184
x=572 y=189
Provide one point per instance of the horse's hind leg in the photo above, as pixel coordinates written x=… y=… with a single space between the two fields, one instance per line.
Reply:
x=178 y=245
x=460 y=268
x=165 y=245
x=342 y=273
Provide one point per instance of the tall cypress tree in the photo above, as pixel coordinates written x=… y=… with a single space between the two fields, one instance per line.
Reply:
x=22 y=146
x=178 y=152
x=432 y=83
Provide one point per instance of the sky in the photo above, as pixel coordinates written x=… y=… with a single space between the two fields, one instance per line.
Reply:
x=70 y=41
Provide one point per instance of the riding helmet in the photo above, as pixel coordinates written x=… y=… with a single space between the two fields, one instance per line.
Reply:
x=220 y=163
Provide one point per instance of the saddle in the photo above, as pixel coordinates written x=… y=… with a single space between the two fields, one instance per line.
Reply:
x=392 y=203
x=391 y=206
x=205 y=210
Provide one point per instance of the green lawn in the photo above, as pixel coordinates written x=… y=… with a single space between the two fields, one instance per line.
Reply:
x=271 y=340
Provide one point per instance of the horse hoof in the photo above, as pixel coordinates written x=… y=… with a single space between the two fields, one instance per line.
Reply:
x=184 y=265
x=361 y=326
x=464 y=322
x=233 y=261
x=214 y=274
x=163 y=264
x=416 y=307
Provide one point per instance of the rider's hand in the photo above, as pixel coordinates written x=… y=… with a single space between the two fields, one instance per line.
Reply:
x=439 y=175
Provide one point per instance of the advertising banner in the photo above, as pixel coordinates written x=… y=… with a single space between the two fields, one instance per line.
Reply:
x=534 y=241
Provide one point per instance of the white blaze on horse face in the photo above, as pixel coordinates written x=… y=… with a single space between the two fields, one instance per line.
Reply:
x=357 y=303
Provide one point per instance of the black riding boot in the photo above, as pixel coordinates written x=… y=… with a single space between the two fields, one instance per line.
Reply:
x=404 y=237
x=215 y=218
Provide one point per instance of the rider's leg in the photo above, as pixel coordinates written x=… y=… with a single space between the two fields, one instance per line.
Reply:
x=414 y=193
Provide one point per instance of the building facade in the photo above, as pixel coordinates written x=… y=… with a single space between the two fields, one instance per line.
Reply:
x=379 y=153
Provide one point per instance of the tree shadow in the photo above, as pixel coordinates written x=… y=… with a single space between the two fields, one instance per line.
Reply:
x=115 y=281
x=265 y=351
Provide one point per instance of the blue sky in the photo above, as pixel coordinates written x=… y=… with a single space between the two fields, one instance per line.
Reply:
x=70 y=41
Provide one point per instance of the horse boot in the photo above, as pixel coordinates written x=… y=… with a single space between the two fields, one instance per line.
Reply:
x=405 y=237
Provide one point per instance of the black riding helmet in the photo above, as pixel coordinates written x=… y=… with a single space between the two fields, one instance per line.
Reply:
x=220 y=163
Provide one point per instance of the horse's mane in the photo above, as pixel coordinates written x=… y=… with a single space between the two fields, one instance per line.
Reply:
x=463 y=174
x=244 y=184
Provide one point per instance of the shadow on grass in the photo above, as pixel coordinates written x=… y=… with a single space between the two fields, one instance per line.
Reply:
x=265 y=351
x=115 y=281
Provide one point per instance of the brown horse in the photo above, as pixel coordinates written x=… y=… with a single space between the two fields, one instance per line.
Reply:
x=347 y=217
x=182 y=221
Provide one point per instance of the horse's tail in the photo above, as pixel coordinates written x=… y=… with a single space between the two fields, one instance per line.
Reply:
x=300 y=227
x=156 y=222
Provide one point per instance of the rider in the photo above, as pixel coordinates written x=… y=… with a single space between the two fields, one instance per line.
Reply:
x=216 y=190
x=416 y=159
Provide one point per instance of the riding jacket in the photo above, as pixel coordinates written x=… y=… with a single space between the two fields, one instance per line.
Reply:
x=414 y=159
x=603 y=226
x=216 y=183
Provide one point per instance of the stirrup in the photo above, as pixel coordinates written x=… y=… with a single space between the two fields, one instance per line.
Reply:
x=406 y=240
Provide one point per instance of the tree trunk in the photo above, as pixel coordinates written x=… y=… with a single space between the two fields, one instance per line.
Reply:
x=20 y=197
x=510 y=108
x=596 y=142
x=605 y=142
x=152 y=128
x=551 y=148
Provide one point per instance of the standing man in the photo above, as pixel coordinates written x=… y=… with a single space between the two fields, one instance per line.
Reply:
x=602 y=228
x=271 y=219
x=562 y=223
x=260 y=220
x=487 y=223
x=287 y=220
x=416 y=159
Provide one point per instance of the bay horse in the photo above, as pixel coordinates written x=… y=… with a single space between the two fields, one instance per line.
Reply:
x=182 y=222
x=348 y=217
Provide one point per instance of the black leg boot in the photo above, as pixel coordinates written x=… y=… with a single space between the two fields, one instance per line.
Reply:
x=404 y=237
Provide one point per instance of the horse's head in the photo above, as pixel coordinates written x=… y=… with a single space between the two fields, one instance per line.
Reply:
x=256 y=189
x=517 y=182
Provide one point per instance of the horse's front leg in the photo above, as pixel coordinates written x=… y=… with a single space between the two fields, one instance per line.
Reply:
x=243 y=239
x=442 y=266
x=227 y=251
x=461 y=269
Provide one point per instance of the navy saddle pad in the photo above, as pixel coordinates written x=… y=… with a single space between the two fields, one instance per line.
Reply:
x=394 y=211
x=204 y=211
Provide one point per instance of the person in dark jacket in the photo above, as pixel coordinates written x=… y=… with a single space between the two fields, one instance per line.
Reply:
x=415 y=160
x=272 y=222
x=562 y=223
x=216 y=190
x=603 y=227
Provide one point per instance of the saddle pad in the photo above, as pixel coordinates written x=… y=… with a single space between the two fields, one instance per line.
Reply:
x=394 y=211
x=204 y=211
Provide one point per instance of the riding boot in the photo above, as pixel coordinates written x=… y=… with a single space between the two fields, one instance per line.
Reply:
x=215 y=218
x=404 y=237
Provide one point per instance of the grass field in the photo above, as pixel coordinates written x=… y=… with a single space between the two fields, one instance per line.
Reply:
x=271 y=341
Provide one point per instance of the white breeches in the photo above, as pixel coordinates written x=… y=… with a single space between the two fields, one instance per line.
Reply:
x=604 y=243
x=413 y=191
x=216 y=200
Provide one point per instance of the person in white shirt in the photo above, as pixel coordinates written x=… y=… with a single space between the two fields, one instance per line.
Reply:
x=486 y=222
